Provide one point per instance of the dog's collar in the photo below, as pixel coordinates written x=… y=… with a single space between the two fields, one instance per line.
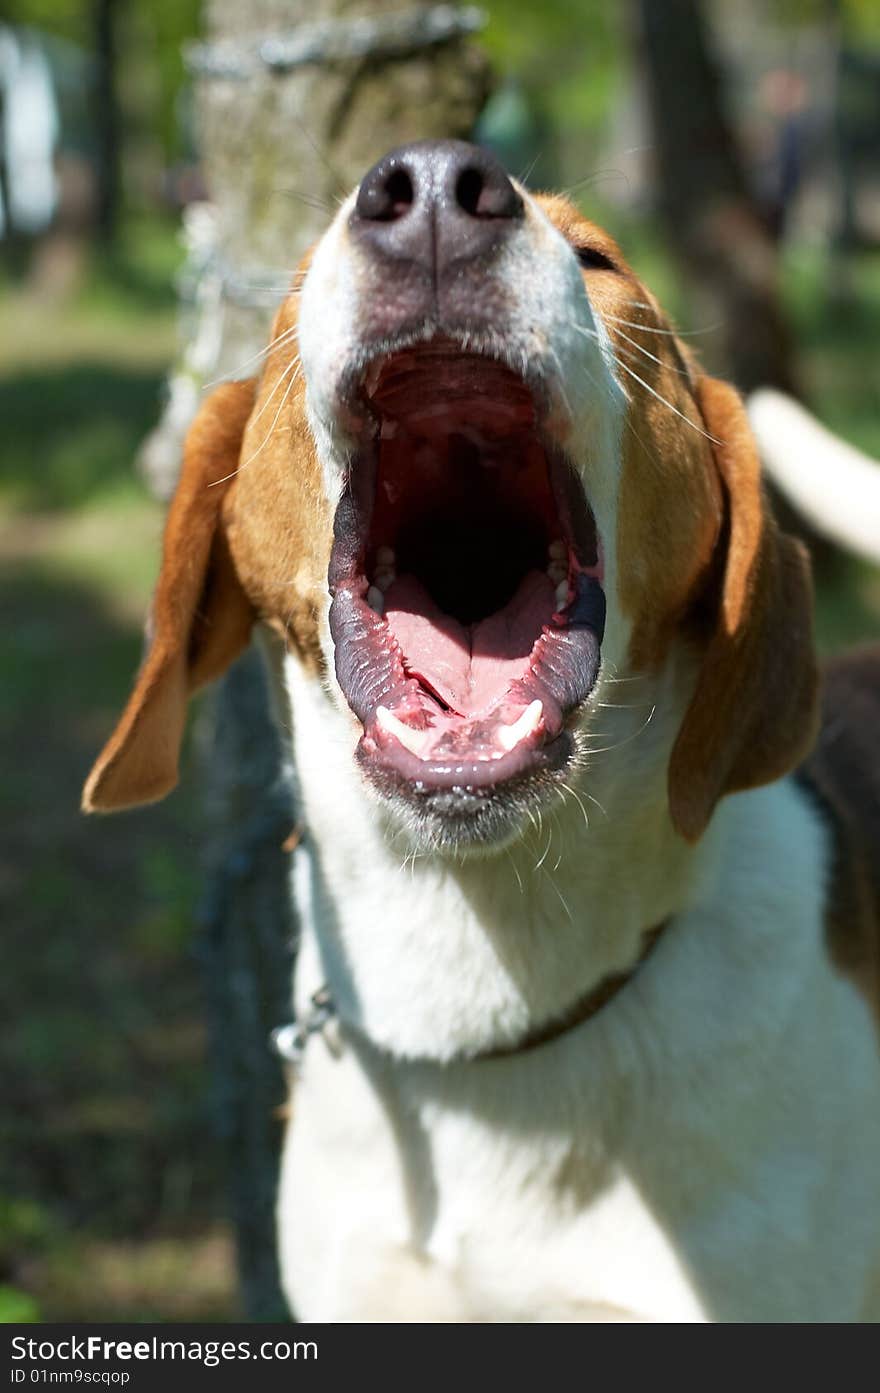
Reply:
x=582 y=1010
x=290 y=1041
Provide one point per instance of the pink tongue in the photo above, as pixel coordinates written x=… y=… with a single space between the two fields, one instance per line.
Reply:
x=470 y=668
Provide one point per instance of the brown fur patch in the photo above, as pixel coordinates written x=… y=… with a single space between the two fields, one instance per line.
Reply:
x=843 y=775
x=753 y=712
x=278 y=519
x=201 y=618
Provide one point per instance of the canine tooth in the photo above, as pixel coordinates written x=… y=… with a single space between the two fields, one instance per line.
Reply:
x=412 y=740
x=558 y=551
x=557 y=572
x=522 y=726
x=562 y=594
x=385 y=557
x=385 y=577
x=375 y=599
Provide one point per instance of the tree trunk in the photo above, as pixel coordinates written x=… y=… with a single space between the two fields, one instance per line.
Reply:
x=279 y=150
x=717 y=232
x=107 y=120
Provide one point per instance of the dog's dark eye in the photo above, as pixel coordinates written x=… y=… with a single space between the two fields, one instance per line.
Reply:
x=594 y=260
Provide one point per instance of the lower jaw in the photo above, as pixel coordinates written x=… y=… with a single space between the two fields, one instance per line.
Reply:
x=446 y=813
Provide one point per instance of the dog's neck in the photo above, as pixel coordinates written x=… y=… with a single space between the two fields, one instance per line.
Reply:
x=433 y=956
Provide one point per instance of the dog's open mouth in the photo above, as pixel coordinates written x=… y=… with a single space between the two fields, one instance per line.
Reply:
x=466 y=574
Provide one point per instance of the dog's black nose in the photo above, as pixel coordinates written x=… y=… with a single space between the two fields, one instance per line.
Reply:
x=435 y=204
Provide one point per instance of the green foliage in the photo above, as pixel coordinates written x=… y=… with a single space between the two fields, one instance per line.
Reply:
x=834 y=308
x=859 y=19
x=69 y=19
x=170 y=23
x=567 y=56
x=16 y=1307
x=24 y=1224
x=150 y=38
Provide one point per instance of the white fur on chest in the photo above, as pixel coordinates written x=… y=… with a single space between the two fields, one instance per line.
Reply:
x=683 y=1156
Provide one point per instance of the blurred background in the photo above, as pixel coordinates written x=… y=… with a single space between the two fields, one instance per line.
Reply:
x=733 y=151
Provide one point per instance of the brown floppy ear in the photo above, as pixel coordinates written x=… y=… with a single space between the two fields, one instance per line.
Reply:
x=201 y=618
x=753 y=712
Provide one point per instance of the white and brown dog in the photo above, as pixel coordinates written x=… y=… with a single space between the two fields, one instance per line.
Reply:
x=602 y=969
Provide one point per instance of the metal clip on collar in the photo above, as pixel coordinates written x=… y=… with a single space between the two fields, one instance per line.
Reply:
x=289 y=1041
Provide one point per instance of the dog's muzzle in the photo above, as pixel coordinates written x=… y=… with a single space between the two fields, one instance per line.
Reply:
x=466 y=571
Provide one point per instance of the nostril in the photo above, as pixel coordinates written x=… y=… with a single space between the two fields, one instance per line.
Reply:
x=386 y=194
x=469 y=189
x=483 y=190
x=401 y=194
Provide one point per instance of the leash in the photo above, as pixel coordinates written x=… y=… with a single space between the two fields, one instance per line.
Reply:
x=289 y=1041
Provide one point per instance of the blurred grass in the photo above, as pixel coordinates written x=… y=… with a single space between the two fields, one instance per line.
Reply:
x=111 y=1193
x=108 y=1166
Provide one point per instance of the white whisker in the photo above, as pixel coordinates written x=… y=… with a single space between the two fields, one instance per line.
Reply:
x=269 y=432
x=524 y=177
x=650 y=329
x=515 y=870
x=311 y=200
x=560 y=897
x=605 y=749
x=233 y=373
x=281 y=376
x=654 y=359
x=674 y=409
x=579 y=803
x=546 y=851
x=620 y=705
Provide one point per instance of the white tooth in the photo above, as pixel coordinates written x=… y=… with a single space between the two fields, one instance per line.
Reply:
x=523 y=726
x=376 y=600
x=558 y=572
x=558 y=551
x=562 y=594
x=385 y=557
x=412 y=740
x=385 y=577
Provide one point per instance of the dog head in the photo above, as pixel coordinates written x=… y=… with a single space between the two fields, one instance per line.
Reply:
x=479 y=480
